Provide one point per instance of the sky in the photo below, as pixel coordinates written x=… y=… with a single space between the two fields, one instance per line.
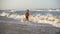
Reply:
x=30 y=4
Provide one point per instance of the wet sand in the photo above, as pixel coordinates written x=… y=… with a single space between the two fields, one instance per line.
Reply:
x=11 y=26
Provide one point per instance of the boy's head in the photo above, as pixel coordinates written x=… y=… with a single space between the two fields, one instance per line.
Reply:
x=27 y=10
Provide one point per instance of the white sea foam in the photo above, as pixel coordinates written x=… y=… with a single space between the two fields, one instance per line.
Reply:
x=54 y=10
x=50 y=19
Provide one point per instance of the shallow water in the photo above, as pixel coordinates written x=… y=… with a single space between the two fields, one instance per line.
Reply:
x=19 y=26
x=11 y=26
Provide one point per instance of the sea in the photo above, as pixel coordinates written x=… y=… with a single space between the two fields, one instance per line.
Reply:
x=13 y=22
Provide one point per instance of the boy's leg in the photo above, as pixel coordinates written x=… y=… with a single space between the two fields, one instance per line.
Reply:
x=26 y=17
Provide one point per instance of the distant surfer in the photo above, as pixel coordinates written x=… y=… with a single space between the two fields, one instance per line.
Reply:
x=27 y=14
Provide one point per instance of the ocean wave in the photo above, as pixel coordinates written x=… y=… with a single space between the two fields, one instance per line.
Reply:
x=37 y=18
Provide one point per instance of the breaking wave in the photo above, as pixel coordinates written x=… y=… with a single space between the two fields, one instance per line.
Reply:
x=37 y=18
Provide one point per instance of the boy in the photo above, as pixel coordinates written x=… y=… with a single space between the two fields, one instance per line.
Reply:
x=27 y=14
